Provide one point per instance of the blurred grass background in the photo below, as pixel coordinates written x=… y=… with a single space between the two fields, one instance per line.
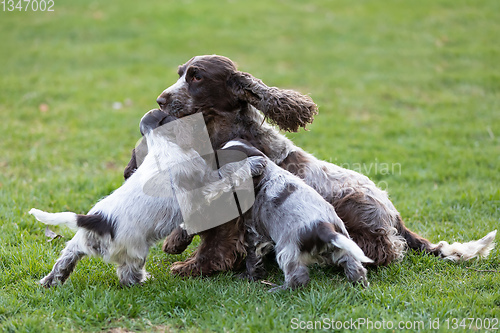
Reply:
x=408 y=94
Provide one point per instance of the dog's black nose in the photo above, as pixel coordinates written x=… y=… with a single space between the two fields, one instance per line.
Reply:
x=161 y=101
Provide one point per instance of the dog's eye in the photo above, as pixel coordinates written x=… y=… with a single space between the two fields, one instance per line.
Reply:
x=196 y=77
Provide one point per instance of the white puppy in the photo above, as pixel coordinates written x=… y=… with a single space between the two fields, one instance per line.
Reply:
x=157 y=198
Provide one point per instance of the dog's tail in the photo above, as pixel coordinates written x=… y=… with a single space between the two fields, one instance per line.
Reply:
x=458 y=252
x=68 y=219
x=96 y=222
x=348 y=245
x=326 y=232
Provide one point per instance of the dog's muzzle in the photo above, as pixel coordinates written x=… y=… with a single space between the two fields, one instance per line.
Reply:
x=162 y=101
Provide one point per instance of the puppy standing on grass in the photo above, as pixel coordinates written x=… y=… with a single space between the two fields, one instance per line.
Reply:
x=146 y=208
x=289 y=213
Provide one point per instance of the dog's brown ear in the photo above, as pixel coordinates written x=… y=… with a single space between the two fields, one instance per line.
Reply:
x=286 y=108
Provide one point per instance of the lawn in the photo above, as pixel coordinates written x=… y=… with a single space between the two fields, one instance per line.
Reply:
x=408 y=93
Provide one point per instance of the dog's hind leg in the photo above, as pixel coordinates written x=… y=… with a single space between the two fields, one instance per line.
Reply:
x=297 y=276
x=345 y=252
x=63 y=267
x=295 y=270
x=350 y=257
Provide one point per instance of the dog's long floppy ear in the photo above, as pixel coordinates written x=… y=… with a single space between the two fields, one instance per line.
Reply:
x=286 y=108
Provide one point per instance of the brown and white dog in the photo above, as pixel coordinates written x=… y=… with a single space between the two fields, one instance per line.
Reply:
x=231 y=103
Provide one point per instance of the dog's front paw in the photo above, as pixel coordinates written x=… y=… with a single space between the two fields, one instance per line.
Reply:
x=50 y=281
x=177 y=241
x=216 y=189
x=146 y=277
x=185 y=268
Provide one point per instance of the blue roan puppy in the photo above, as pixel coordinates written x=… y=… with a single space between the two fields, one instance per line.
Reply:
x=146 y=208
x=293 y=217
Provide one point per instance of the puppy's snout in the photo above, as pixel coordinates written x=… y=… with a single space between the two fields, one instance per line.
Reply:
x=154 y=119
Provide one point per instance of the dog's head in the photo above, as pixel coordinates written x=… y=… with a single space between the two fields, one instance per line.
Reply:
x=213 y=85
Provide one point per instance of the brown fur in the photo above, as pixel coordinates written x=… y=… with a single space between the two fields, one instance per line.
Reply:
x=286 y=108
x=221 y=249
x=178 y=241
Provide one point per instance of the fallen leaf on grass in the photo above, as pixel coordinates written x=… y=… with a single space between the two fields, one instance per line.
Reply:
x=52 y=235
x=43 y=108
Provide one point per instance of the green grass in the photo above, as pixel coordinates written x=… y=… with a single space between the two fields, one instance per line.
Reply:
x=410 y=86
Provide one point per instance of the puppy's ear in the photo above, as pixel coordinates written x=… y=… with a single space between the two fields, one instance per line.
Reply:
x=286 y=108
